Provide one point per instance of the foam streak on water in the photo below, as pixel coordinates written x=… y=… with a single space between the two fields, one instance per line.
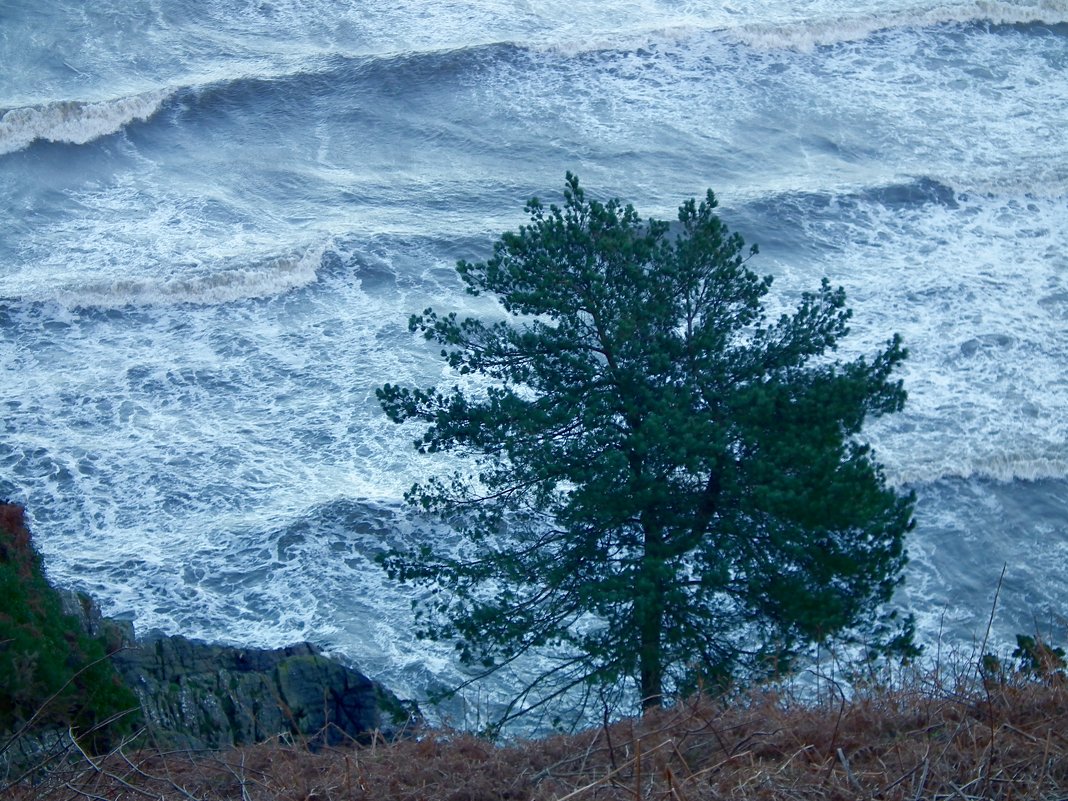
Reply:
x=216 y=217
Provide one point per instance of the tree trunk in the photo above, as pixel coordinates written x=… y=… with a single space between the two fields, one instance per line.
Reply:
x=651 y=668
x=649 y=614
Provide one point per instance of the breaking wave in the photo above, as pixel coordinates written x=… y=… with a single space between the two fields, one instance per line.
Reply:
x=999 y=468
x=76 y=121
x=811 y=34
x=269 y=278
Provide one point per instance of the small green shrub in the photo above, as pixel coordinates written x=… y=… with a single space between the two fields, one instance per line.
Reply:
x=1039 y=659
x=51 y=672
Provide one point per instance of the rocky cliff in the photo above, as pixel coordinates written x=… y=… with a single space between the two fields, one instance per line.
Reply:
x=199 y=695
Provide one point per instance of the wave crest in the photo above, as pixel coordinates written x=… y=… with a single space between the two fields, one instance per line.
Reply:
x=1000 y=469
x=806 y=36
x=75 y=121
x=273 y=277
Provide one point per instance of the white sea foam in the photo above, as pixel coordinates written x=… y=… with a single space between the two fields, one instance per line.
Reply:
x=76 y=121
x=977 y=290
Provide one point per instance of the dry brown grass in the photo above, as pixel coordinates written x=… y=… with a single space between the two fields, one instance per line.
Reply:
x=1007 y=740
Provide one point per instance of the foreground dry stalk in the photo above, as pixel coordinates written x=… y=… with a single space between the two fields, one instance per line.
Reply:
x=1002 y=741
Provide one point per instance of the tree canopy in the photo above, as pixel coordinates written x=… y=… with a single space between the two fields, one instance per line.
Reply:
x=663 y=485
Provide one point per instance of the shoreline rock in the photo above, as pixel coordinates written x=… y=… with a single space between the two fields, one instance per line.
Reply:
x=198 y=695
x=201 y=695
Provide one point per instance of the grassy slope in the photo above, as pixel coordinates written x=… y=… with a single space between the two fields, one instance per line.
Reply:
x=928 y=740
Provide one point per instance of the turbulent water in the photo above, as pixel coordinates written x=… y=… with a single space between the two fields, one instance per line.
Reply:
x=215 y=218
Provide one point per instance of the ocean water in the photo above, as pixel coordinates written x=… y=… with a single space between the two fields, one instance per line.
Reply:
x=216 y=217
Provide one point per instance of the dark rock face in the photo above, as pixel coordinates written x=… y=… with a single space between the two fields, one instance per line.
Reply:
x=198 y=695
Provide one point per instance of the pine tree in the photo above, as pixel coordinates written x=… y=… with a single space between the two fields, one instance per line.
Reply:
x=664 y=484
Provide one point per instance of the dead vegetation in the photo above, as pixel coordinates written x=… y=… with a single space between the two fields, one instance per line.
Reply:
x=999 y=738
